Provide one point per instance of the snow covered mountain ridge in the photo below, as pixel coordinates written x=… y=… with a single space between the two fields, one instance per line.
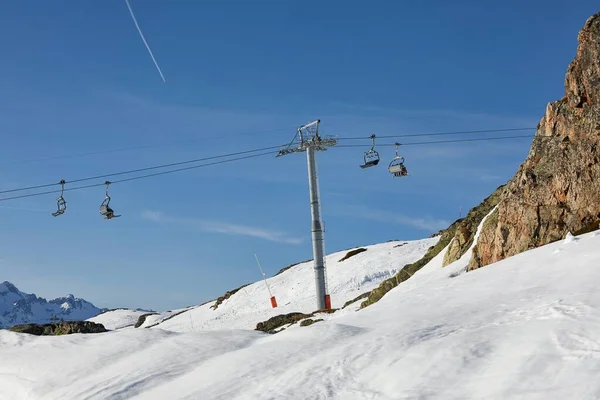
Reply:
x=17 y=307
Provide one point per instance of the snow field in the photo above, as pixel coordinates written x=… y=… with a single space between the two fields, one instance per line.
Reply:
x=118 y=319
x=127 y=318
x=527 y=327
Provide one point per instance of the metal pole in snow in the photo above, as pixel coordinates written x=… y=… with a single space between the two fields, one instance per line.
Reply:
x=263 y=274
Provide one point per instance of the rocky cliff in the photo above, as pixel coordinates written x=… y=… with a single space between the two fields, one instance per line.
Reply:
x=557 y=189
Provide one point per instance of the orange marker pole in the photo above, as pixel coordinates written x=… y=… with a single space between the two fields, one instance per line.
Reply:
x=273 y=300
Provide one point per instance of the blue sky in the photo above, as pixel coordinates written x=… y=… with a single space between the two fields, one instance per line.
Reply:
x=76 y=78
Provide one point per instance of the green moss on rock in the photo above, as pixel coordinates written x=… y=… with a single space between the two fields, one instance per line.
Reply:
x=467 y=227
x=357 y=298
x=458 y=236
x=409 y=270
x=309 y=321
x=270 y=325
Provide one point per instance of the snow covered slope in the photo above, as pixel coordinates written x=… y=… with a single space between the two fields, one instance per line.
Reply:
x=118 y=319
x=17 y=307
x=527 y=327
x=127 y=318
x=294 y=288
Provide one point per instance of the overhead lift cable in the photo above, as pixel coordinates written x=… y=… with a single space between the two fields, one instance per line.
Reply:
x=143 y=146
x=443 y=141
x=149 y=146
x=267 y=151
x=138 y=177
x=141 y=169
x=438 y=133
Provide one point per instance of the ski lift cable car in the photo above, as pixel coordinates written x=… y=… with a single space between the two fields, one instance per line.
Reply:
x=371 y=156
x=105 y=209
x=396 y=167
x=61 y=202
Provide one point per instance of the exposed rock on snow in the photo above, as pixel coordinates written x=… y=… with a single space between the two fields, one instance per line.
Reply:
x=352 y=253
x=410 y=269
x=142 y=319
x=309 y=321
x=63 y=328
x=457 y=239
x=121 y=318
x=466 y=227
x=227 y=295
x=278 y=321
x=557 y=188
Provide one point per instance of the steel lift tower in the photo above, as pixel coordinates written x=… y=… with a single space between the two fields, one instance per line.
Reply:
x=310 y=142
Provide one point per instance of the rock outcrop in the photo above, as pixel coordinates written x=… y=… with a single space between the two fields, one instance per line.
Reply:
x=557 y=189
x=142 y=319
x=352 y=253
x=62 y=328
x=276 y=324
x=467 y=227
x=458 y=237
x=227 y=295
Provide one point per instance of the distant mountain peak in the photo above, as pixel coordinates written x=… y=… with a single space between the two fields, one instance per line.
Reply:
x=17 y=307
x=6 y=286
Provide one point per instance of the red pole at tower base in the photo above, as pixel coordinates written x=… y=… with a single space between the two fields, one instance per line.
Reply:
x=273 y=302
x=327 y=302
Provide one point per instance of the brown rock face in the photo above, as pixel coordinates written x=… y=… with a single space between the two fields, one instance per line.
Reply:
x=557 y=189
x=467 y=227
x=62 y=328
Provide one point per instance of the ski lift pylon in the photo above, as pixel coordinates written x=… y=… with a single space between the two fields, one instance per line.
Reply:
x=61 y=202
x=397 y=167
x=105 y=209
x=371 y=156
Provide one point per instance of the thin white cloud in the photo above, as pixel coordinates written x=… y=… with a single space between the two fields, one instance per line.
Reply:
x=155 y=216
x=24 y=209
x=416 y=114
x=490 y=178
x=222 y=227
x=423 y=223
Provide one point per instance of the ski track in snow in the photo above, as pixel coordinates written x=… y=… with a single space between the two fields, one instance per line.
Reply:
x=527 y=327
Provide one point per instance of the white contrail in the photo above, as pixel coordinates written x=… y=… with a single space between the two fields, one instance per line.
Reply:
x=142 y=35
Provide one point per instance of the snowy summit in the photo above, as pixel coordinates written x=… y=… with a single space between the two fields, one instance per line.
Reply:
x=17 y=307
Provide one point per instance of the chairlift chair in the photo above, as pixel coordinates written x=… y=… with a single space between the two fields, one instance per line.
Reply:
x=371 y=156
x=396 y=167
x=105 y=209
x=61 y=202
